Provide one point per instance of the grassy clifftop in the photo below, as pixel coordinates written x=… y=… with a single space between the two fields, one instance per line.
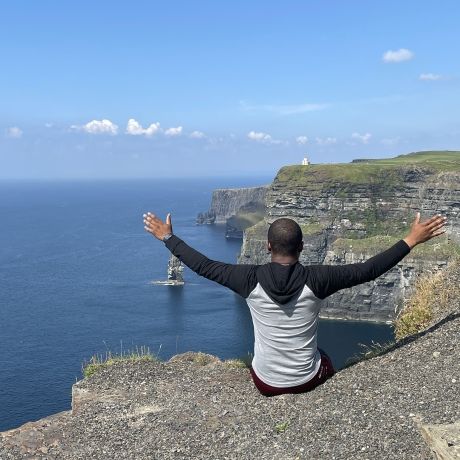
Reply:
x=389 y=171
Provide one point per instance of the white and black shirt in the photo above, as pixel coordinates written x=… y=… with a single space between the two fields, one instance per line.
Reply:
x=285 y=301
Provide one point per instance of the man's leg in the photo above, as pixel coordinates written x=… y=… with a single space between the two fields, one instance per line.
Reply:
x=326 y=370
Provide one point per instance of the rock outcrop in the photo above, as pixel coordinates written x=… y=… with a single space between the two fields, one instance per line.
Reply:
x=349 y=212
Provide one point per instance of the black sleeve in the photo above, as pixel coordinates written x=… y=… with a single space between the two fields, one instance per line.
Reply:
x=239 y=278
x=324 y=280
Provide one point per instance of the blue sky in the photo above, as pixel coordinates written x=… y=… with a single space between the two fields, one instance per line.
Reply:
x=222 y=88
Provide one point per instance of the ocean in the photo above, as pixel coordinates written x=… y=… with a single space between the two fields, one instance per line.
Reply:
x=75 y=280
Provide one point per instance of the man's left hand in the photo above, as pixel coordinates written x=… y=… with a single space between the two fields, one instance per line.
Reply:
x=156 y=226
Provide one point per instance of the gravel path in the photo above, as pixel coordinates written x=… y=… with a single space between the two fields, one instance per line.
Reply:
x=191 y=410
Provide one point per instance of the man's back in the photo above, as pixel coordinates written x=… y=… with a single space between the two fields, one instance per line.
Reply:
x=285 y=297
x=285 y=345
x=285 y=300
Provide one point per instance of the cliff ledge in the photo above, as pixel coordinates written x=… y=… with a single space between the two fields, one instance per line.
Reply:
x=403 y=404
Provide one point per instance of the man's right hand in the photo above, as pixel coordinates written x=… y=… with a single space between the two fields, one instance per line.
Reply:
x=156 y=226
x=424 y=231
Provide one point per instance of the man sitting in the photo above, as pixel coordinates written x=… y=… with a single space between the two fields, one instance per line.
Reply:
x=284 y=297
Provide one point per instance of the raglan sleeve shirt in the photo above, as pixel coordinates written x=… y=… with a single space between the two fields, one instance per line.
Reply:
x=324 y=280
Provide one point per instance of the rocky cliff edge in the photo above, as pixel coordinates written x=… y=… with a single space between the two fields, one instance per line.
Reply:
x=402 y=404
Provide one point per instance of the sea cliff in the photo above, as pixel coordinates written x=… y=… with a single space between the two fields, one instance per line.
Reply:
x=349 y=212
x=237 y=208
x=226 y=203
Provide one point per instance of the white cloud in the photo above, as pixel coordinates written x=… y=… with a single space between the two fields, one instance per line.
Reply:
x=49 y=125
x=197 y=135
x=364 y=138
x=14 y=132
x=134 y=128
x=264 y=138
x=171 y=132
x=430 y=77
x=98 y=127
x=400 y=55
x=261 y=137
x=301 y=140
x=283 y=109
x=326 y=140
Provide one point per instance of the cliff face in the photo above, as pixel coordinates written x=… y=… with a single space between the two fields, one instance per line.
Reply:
x=350 y=212
x=226 y=203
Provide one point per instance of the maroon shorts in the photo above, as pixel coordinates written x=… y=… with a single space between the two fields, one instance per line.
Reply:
x=326 y=370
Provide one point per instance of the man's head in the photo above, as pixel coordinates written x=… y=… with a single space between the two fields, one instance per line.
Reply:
x=285 y=238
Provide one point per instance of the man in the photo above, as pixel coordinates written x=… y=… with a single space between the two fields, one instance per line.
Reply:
x=285 y=297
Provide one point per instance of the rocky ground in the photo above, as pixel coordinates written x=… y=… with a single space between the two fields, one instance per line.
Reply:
x=399 y=405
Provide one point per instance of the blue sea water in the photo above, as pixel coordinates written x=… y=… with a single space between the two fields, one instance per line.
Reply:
x=75 y=273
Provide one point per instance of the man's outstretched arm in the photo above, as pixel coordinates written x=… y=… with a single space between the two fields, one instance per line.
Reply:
x=324 y=280
x=239 y=278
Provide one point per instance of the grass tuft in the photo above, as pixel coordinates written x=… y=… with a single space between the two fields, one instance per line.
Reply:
x=202 y=359
x=369 y=351
x=98 y=362
x=282 y=426
x=435 y=295
x=235 y=364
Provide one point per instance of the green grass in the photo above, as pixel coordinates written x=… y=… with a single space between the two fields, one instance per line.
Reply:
x=236 y=364
x=369 y=351
x=318 y=177
x=312 y=228
x=98 y=362
x=282 y=426
x=384 y=173
x=258 y=231
x=202 y=359
x=435 y=295
x=244 y=220
x=440 y=248
x=368 y=245
x=376 y=223
x=442 y=159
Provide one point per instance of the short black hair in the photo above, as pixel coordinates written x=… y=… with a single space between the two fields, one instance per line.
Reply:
x=285 y=237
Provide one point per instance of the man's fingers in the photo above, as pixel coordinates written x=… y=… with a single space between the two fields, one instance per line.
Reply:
x=149 y=217
x=155 y=226
x=429 y=221
x=432 y=220
x=417 y=218
x=437 y=221
x=438 y=225
x=439 y=232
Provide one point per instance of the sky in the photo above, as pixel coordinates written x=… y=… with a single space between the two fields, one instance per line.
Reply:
x=195 y=89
